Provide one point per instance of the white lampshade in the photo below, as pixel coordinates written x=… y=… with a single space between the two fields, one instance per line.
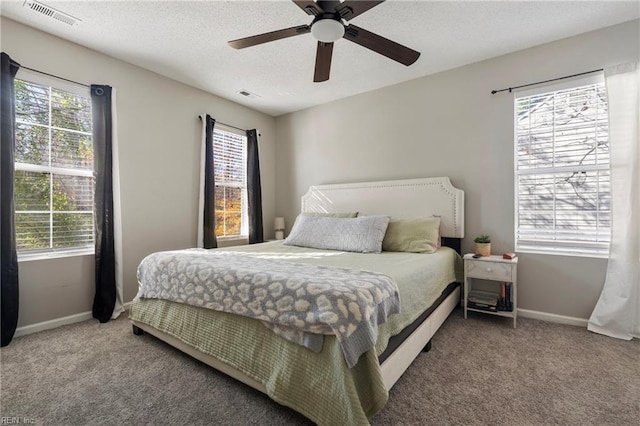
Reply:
x=327 y=30
x=278 y=223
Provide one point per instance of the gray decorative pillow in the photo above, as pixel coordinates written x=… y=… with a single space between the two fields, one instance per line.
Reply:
x=323 y=214
x=359 y=234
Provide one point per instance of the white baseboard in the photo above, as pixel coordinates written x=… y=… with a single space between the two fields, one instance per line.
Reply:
x=71 y=319
x=58 y=322
x=47 y=325
x=545 y=316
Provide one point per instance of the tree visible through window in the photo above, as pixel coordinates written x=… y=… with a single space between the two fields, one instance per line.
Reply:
x=230 y=159
x=562 y=170
x=53 y=182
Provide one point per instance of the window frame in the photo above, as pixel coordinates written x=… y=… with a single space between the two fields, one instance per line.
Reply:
x=244 y=228
x=559 y=248
x=54 y=253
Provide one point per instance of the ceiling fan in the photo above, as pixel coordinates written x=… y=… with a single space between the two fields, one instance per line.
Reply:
x=328 y=26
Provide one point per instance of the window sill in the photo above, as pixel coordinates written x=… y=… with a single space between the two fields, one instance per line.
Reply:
x=232 y=241
x=564 y=253
x=54 y=255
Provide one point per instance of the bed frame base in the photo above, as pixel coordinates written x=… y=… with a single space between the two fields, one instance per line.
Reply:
x=200 y=356
x=392 y=368
x=139 y=332
x=396 y=364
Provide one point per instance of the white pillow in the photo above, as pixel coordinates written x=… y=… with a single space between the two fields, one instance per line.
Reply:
x=359 y=234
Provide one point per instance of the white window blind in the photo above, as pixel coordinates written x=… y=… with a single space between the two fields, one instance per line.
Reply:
x=53 y=181
x=230 y=159
x=563 y=201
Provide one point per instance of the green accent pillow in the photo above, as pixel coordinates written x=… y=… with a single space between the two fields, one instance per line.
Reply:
x=418 y=235
x=319 y=214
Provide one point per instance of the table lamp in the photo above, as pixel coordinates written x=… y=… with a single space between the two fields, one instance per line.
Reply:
x=278 y=224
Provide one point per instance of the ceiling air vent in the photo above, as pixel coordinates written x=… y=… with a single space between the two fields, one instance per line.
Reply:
x=51 y=12
x=248 y=94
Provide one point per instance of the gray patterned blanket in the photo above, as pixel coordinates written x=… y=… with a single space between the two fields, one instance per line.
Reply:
x=300 y=302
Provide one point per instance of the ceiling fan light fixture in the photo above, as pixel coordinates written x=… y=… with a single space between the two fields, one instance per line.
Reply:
x=330 y=24
x=327 y=30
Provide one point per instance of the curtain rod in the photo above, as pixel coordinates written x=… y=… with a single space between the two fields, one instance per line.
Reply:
x=493 y=92
x=50 y=75
x=225 y=124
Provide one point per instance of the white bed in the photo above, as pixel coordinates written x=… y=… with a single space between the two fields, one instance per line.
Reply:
x=400 y=199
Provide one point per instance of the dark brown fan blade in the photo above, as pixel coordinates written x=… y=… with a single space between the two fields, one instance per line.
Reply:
x=267 y=37
x=349 y=9
x=381 y=45
x=309 y=6
x=323 y=62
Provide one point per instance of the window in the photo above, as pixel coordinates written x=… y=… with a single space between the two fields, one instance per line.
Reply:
x=563 y=201
x=53 y=181
x=230 y=159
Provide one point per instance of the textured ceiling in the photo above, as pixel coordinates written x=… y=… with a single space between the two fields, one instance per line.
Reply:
x=187 y=41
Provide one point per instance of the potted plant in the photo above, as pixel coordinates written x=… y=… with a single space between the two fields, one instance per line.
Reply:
x=483 y=245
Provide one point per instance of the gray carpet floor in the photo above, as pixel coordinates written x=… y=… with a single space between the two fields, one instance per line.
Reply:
x=479 y=371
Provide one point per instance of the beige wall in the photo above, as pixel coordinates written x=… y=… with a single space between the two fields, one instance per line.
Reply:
x=449 y=124
x=159 y=141
x=445 y=124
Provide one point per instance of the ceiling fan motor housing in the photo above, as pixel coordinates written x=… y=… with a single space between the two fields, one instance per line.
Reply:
x=327 y=27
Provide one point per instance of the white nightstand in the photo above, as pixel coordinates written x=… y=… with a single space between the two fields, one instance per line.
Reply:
x=493 y=268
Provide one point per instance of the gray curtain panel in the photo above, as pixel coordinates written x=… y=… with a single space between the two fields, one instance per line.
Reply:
x=254 y=189
x=8 y=254
x=105 y=282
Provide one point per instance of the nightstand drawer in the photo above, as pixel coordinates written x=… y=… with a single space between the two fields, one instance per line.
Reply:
x=496 y=271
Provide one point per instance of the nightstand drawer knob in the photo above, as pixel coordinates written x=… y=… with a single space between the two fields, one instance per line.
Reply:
x=488 y=269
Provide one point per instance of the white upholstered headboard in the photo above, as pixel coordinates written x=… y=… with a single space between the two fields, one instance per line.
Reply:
x=399 y=199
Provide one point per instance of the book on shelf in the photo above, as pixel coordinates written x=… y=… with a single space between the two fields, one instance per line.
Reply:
x=480 y=296
x=484 y=300
x=482 y=306
x=502 y=298
x=505 y=300
x=509 y=297
x=491 y=301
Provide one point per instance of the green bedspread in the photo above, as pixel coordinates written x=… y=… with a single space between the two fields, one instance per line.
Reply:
x=291 y=373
